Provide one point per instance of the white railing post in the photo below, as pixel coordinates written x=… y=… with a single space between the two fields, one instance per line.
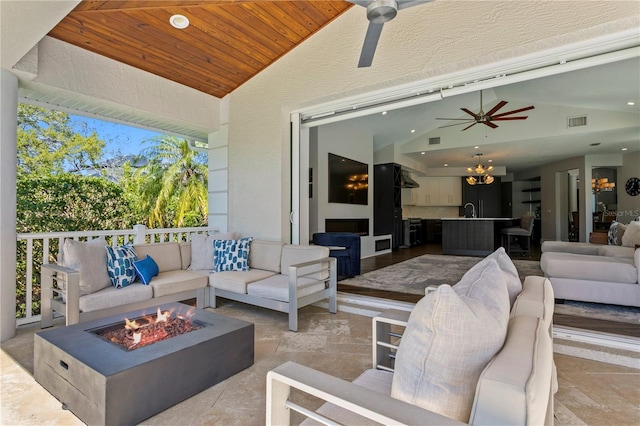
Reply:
x=139 y=234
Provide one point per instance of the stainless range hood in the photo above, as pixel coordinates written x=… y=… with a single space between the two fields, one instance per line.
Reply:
x=406 y=181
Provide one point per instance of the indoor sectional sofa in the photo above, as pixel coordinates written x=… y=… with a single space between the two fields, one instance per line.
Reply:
x=593 y=272
x=282 y=277
x=434 y=365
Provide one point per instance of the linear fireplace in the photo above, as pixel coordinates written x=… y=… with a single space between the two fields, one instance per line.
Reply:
x=105 y=383
x=357 y=226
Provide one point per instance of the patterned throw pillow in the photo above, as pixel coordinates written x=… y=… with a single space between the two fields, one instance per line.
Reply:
x=611 y=236
x=232 y=255
x=120 y=265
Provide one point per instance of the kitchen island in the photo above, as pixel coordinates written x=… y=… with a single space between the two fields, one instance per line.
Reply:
x=473 y=236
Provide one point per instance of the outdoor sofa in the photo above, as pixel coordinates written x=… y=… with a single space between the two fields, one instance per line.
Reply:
x=470 y=353
x=80 y=288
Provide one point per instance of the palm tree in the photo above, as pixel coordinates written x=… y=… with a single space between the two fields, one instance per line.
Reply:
x=173 y=185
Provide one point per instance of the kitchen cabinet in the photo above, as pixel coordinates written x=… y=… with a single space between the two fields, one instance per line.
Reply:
x=387 y=202
x=485 y=198
x=437 y=191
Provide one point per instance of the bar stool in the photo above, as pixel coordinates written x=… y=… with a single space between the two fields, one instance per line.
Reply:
x=523 y=231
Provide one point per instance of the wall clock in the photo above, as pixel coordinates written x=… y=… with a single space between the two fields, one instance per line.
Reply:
x=633 y=186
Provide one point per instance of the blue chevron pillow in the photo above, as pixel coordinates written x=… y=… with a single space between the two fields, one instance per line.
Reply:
x=232 y=255
x=120 y=265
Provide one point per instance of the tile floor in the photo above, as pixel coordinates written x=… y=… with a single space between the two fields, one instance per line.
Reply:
x=590 y=392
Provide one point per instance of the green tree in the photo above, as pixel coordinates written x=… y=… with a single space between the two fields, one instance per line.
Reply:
x=58 y=203
x=47 y=143
x=172 y=187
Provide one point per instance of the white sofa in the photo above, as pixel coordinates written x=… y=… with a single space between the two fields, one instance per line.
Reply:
x=515 y=387
x=282 y=277
x=592 y=272
x=61 y=287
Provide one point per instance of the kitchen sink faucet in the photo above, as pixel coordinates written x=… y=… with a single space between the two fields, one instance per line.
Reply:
x=473 y=209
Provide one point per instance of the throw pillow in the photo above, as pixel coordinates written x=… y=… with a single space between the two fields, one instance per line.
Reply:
x=146 y=269
x=631 y=236
x=120 y=265
x=611 y=234
x=202 y=249
x=90 y=258
x=514 y=284
x=232 y=255
x=620 y=230
x=450 y=338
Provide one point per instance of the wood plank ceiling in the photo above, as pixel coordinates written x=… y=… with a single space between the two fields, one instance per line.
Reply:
x=226 y=43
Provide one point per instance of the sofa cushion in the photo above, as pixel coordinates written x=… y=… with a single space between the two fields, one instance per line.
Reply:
x=146 y=269
x=589 y=268
x=231 y=255
x=110 y=297
x=295 y=254
x=237 y=281
x=450 y=337
x=166 y=255
x=171 y=282
x=570 y=247
x=515 y=387
x=276 y=287
x=90 y=258
x=616 y=251
x=120 y=265
x=202 y=249
x=266 y=255
x=631 y=237
x=185 y=255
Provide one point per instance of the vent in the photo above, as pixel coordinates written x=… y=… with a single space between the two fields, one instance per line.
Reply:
x=434 y=141
x=577 y=121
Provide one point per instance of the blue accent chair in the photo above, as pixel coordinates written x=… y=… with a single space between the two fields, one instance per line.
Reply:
x=348 y=259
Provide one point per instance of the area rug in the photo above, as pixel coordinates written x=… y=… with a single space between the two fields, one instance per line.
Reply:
x=412 y=276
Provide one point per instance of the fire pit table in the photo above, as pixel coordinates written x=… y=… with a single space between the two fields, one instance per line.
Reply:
x=103 y=382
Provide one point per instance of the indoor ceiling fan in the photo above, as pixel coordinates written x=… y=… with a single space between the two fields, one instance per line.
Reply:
x=379 y=12
x=489 y=117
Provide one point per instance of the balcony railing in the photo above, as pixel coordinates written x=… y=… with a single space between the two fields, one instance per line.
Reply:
x=41 y=248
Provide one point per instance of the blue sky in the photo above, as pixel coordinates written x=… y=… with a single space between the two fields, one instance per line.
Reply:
x=118 y=138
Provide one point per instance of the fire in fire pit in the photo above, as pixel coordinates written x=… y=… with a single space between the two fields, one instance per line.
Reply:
x=146 y=330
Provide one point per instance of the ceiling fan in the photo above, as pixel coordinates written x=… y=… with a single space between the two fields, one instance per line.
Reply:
x=489 y=117
x=379 y=12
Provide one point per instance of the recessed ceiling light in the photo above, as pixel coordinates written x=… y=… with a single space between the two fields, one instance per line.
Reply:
x=490 y=161
x=179 y=21
x=476 y=147
x=624 y=149
x=423 y=153
x=384 y=112
x=413 y=130
x=446 y=165
x=631 y=103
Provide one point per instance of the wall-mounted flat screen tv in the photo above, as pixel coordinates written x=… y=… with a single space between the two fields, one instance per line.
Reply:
x=348 y=180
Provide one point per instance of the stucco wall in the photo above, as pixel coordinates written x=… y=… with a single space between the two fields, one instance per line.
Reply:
x=430 y=40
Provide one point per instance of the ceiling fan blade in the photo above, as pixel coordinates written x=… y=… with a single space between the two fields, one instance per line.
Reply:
x=496 y=108
x=513 y=112
x=451 y=119
x=520 y=117
x=370 y=44
x=403 y=4
x=363 y=3
x=457 y=124
x=490 y=124
x=476 y=116
x=473 y=124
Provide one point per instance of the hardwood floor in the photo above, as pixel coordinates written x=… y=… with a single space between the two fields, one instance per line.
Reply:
x=397 y=256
